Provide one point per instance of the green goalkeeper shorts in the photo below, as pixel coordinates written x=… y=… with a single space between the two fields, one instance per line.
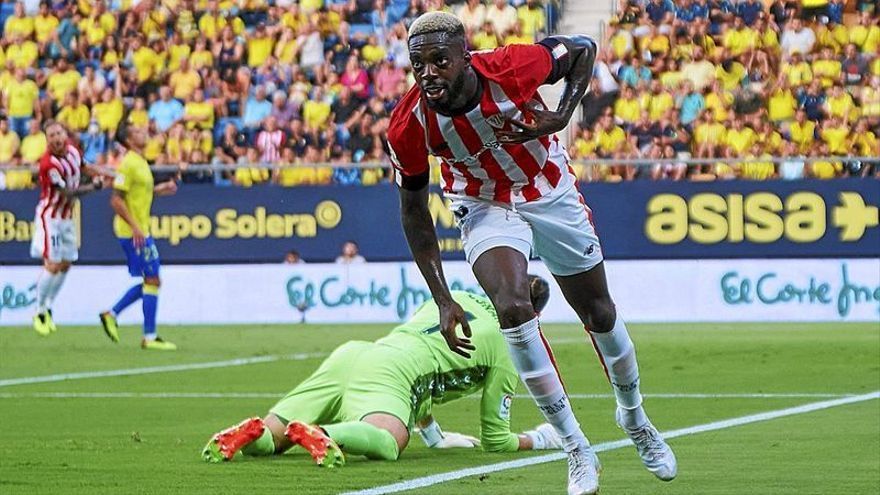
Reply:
x=356 y=380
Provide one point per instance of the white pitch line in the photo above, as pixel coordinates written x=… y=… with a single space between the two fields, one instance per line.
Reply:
x=27 y=380
x=271 y=395
x=602 y=447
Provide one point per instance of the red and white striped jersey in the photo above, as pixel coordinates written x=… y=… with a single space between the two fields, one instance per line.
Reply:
x=270 y=143
x=473 y=162
x=57 y=174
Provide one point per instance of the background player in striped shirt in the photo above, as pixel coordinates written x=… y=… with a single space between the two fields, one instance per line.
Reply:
x=133 y=191
x=513 y=195
x=367 y=397
x=55 y=239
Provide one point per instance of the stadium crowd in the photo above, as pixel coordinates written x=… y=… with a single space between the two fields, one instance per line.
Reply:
x=284 y=82
x=736 y=79
x=294 y=83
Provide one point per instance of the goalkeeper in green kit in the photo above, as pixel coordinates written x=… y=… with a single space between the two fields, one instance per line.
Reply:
x=367 y=397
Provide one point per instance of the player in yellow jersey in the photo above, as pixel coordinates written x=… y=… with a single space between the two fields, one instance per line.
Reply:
x=133 y=191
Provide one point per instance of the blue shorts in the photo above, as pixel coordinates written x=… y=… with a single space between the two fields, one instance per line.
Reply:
x=143 y=262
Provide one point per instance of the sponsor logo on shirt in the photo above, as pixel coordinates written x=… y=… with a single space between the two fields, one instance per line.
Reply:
x=504 y=411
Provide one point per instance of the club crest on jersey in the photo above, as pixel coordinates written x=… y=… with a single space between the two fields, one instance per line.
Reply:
x=496 y=121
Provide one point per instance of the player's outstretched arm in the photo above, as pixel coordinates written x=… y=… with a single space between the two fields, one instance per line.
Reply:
x=96 y=185
x=422 y=239
x=573 y=56
x=166 y=188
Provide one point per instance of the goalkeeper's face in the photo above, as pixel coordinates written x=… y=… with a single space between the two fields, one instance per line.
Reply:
x=439 y=65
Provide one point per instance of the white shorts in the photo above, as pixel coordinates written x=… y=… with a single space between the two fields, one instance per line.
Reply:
x=55 y=241
x=557 y=228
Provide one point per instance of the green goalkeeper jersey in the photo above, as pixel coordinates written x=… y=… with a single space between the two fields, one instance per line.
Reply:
x=448 y=376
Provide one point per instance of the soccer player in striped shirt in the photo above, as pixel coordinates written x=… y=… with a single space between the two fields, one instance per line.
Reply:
x=55 y=239
x=513 y=194
x=133 y=191
x=367 y=397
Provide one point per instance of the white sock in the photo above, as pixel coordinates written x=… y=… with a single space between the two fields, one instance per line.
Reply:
x=44 y=290
x=618 y=355
x=531 y=357
x=55 y=288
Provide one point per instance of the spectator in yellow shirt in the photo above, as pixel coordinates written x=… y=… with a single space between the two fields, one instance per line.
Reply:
x=22 y=52
x=827 y=68
x=201 y=57
x=19 y=24
x=656 y=43
x=719 y=101
x=739 y=139
x=798 y=70
x=661 y=101
x=840 y=104
x=139 y=116
x=824 y=169
x=865 y=34
x=486 y=38
x=611 y=142
x=731 y=73
x=709 y=136
x=287 y=48
x=870 y=100
x=372 y=53
x=863 y=142
x=515 y=36
x=627 y=107
x=620 y=41
x=108 y=112
x=781 y=103
x=584 y=146
x=259 y=46
x=802 y=131
x=45 y=24
x=759 y=169
x=248 y=176
x=64 y=79
x=74 y=114
x=198 y=113
x=21 y=101
x=185 y=81
x=835 y=133
x=532 y=19
x=147 y=63
x=316 y=113
x=33 y=145
x=739 y=39
x=610 y=138
x=179 y=49
x=9 y=142
x=769 y=138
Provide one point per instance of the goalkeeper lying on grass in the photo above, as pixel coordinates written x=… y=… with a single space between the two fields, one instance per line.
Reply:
x=367 y=397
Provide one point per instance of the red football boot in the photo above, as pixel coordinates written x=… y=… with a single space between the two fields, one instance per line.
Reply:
x=224 y=445
x=323 y=449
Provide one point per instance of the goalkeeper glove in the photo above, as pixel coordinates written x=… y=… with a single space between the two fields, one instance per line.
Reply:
x=435 y=438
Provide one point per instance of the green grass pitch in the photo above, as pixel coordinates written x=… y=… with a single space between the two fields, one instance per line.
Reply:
x=133 y=440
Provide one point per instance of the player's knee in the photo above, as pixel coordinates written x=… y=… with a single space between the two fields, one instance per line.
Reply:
x=152 y=281
x=602 y=315
x=514 y=312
